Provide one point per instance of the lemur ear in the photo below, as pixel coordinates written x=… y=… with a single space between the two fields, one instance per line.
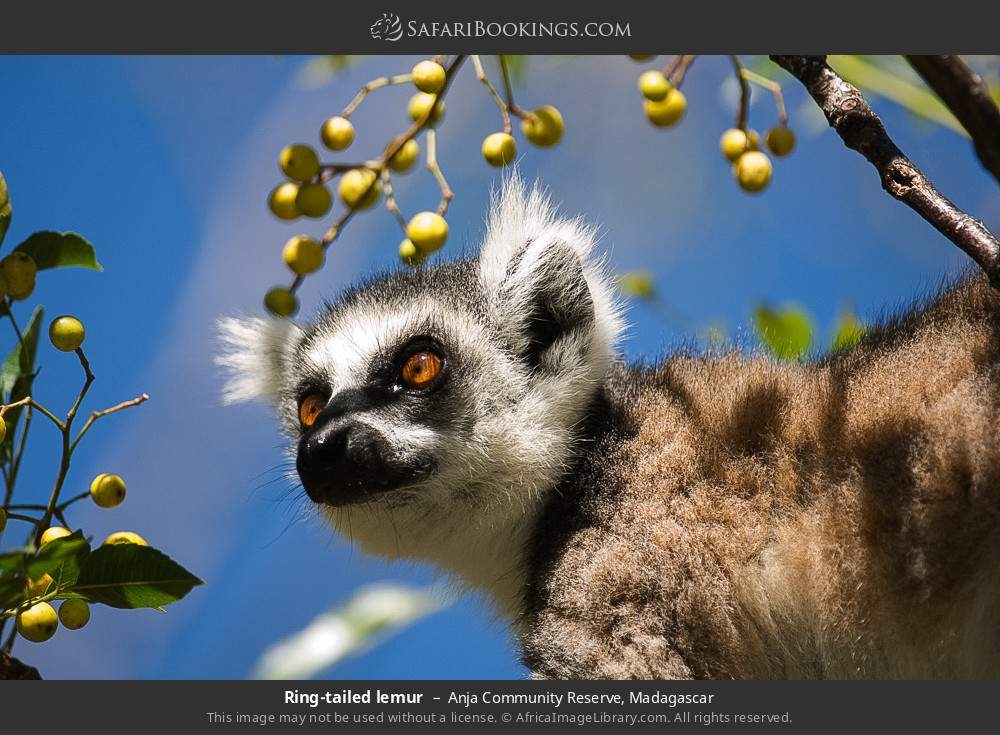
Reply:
x=254 y=355
x=539 y=276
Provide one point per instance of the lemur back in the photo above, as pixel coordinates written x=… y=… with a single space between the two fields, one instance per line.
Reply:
x=735 y=517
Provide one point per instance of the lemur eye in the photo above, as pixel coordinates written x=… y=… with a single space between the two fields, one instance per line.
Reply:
x=310 y=408
x=420 y=369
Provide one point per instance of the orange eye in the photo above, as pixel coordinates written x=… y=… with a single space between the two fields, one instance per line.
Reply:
x=310 y=409
x=420 y=369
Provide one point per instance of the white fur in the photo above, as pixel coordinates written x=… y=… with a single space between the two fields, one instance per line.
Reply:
x=253 y=355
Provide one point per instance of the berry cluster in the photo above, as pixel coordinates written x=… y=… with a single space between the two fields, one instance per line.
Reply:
x=665 y=105
x=363 y=185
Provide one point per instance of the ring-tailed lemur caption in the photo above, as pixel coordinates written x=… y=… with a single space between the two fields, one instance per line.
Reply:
x=706 y=516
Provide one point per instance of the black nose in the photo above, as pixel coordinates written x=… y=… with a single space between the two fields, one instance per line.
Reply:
x=339 y=460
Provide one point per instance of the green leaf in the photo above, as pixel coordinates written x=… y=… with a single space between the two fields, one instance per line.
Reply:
x=130 y=576
x=17 y=372
x=5 y=208
x=55 y=553
x=13 y=559
x=787 y=333
x=59 y=250
x=848 y=332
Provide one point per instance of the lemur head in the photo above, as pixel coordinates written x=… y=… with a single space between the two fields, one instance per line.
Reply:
x=448 y=393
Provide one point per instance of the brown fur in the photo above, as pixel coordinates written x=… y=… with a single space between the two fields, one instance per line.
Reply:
x=743 y=518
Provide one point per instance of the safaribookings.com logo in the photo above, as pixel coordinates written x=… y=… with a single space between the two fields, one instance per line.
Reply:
x=390 y=28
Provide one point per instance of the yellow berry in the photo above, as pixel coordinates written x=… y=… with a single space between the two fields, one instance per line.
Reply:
x=429 y=76
x=409 y=254
x=405 y=157
x=52 y=533
x=753 y=171
x=303 y=255
x=544 y=126
x=360 y=188
x=281 y=302
x=422 y=105
x=641 y=57
x=337 y=133
x=3 y=435
x=653 y=85
x=107 y=490
x=38 y=587
x=427 y=231
x=299 y=162
x=314 y=200
x=753 y=140
x=38 y=623
x=18 y=271
x=780 y=140
x=66 y=333
x=125 y=537
x=499 y=149
x=668 y=111
x=74 y=613
x=734 y=143
x=282 y=201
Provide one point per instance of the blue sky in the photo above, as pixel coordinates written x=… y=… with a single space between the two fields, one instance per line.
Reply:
x=165 y=164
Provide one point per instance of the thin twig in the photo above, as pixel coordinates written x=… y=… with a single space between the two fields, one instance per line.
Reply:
x=677 y=79
x=860 y=128
x=744 y=109
x=432 y=165
x=390 y=199
x=968 y=98
x=771 y=86
x=508 y=89
x=481 y=76
x=95 y=415
x=371 y=87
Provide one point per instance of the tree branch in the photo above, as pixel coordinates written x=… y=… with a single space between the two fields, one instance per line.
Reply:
x=860 y=128
x=967 y=96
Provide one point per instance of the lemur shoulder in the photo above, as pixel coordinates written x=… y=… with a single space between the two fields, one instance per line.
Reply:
x=723 y=516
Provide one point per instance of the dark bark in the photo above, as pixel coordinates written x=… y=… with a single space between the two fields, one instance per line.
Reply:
x=967 y=96
x=12 y=669
x=860 y=128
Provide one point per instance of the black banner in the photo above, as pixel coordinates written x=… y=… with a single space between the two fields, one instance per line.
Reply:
x=527 y=706
x=311 y=26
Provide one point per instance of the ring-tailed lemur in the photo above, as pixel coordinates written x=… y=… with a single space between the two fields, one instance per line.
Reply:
x=725 y=516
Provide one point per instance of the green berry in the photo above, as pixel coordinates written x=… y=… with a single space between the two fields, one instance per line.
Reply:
x=18 y=271
x=38 y=623
x=425 y=106
x=360 y=188
x=66 y=333
x=282 y=201
x=429 y=76
x=281 y=302
x=303 y=255
x=74 y=613
x=299 y=162
x=780 y=140
x=753 y=171
x=107 y=490
x=654 y=85
x=668 y=111
x=405 y=157
x=52 y=533
x=337 y=133
x=544 y=126
x=733 y=144
x=314 y=200
x=427 y=231
x=409 y=254
x=499 y=149
x=124 y=537
x=641 y=57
